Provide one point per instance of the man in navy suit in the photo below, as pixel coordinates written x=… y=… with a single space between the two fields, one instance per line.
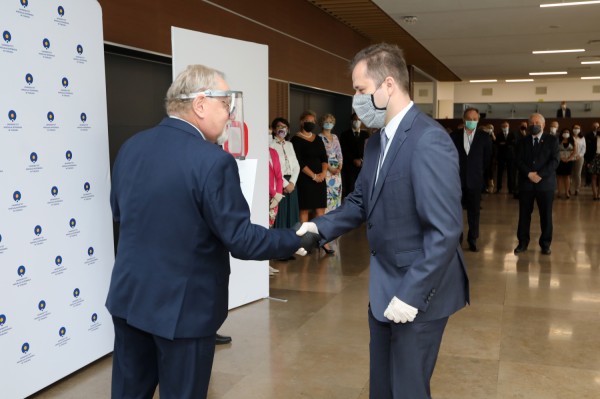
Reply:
x=474 y=154
x=408 y=193
x=538 y=157
x=563 y=111
x=177 y=198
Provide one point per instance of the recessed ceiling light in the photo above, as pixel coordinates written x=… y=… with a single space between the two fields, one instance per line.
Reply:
x=547 y=73
x=570 y=3
x=590 y=77
x=576 y=50
x=484 y=81
x=590 y=62
x=518 y=80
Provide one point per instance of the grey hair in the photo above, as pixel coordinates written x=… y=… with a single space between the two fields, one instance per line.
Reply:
x=193 y=79
x=540 y=115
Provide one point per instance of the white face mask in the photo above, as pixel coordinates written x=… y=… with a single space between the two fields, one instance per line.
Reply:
x=566 y=135
x=576 y=131
x=505 y=130
x=367 y=111
x=553 y=130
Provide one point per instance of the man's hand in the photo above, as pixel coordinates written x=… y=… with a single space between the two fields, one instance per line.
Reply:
x=309 y=236
x=400 y=312
x=534 y=177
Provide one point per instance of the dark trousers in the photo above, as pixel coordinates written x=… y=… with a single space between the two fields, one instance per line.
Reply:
x=142 y=360
x=403 y=357
x=544 y=201
x=349 y=175
x=508 y=164
x=471 y=200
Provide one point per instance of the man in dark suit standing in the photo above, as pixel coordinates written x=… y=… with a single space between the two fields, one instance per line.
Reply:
x=505 y=144
x=474 y=154
x=408 y=193
x=352 y=142
x=563 y=111
x=178 y=201
x=537 y=159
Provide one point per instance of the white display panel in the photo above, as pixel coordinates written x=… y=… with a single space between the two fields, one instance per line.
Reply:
x=56 y=239
x=246 y=68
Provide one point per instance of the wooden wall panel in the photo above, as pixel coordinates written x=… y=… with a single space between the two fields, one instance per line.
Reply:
x=279 y=98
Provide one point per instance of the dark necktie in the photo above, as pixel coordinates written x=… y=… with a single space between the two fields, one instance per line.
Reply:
x=536 y=147
x=536 y=141
x=384 y=140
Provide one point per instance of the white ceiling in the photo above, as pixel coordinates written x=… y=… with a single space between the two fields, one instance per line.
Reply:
x=493 y=39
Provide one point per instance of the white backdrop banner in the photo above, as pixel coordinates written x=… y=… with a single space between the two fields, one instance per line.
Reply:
x=56 y=243
x=246 y=68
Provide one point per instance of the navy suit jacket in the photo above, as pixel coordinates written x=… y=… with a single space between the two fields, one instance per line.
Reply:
x=414 y=220
x=544 y=163
x=474 y=164
x=181 y=211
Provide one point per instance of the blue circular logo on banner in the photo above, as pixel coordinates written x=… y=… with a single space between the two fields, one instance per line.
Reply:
x=86 y=187
x=83 y=117
x=24 y=3
x=76 y=292
x=29 y=78
x=54 y=191
x=90 y=251
x=65 y=82
x=69 y=155
x=21 y=271
x=7 y=36
x=12 y=115
x=61 y=11
x=37 y=230
x=46 y=43
x=72 y=223
x=42 y=305
x=25 y=347
x=58 y=260
x=79 y=49
x=50 y=116
x=33 y=157
x=94 y=318
x=62 y=331
x=3 y=319
x=17 y=196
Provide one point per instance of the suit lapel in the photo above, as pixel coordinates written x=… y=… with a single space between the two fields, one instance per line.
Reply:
x=394 y=148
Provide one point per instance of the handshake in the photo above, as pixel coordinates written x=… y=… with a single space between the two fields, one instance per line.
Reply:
x=309 y=237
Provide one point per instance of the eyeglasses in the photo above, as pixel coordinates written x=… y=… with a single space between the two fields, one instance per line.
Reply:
x=227 y=97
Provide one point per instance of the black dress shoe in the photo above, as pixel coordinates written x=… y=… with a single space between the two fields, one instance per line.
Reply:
x=473 y=247
x=520 y=248
x=328 y=251
x=546 y=251
x=222 y=340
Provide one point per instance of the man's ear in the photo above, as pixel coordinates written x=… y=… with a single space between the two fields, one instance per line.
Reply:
x=199 y=105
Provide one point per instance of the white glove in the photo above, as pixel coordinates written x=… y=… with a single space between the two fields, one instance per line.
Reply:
x=400 y=312
x=275 y=200
x=301 y=252
x=307 y=227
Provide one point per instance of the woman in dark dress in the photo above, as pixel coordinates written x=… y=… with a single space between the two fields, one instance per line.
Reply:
x=312 y=157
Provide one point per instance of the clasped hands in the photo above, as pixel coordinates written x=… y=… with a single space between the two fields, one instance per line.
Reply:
x=534 y=177
x=309 y=237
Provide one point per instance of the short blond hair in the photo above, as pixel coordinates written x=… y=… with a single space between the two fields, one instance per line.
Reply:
x=193 y=79
x=327 y=116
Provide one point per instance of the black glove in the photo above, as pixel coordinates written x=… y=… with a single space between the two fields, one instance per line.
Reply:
x=310 y=241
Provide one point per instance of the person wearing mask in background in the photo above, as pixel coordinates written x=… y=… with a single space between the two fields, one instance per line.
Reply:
x=474 y=154
x=568 y=152
x=579 y=159
x=537 y=158
x=519 y=135
x=312 y=157
x=563 y=111
x=490 y=170
x=352 y=142
x=287 y=214
x=554 y=128
x=178 y=201
x=592 y=160
x=335 y=162
x=408 y=193
x=505 y=156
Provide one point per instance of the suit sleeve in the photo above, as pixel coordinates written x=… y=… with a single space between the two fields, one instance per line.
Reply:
x=547 y=170
x=226 y=212
x=436 y=182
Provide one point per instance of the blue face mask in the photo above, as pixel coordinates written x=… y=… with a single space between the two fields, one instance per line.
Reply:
x=471 y=125
x=328 y=125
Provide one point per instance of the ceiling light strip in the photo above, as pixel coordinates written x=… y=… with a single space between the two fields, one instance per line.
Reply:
x=590 y=77
x=590 y=62
x=570 y=3
x=547 y=73
x=483 y=81
x=576 y=50
x=518 y=80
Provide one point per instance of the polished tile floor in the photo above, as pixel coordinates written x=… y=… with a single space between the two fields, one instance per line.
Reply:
x=532 y=331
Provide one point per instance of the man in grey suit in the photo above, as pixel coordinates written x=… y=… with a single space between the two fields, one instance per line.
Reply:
x=408 y=193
